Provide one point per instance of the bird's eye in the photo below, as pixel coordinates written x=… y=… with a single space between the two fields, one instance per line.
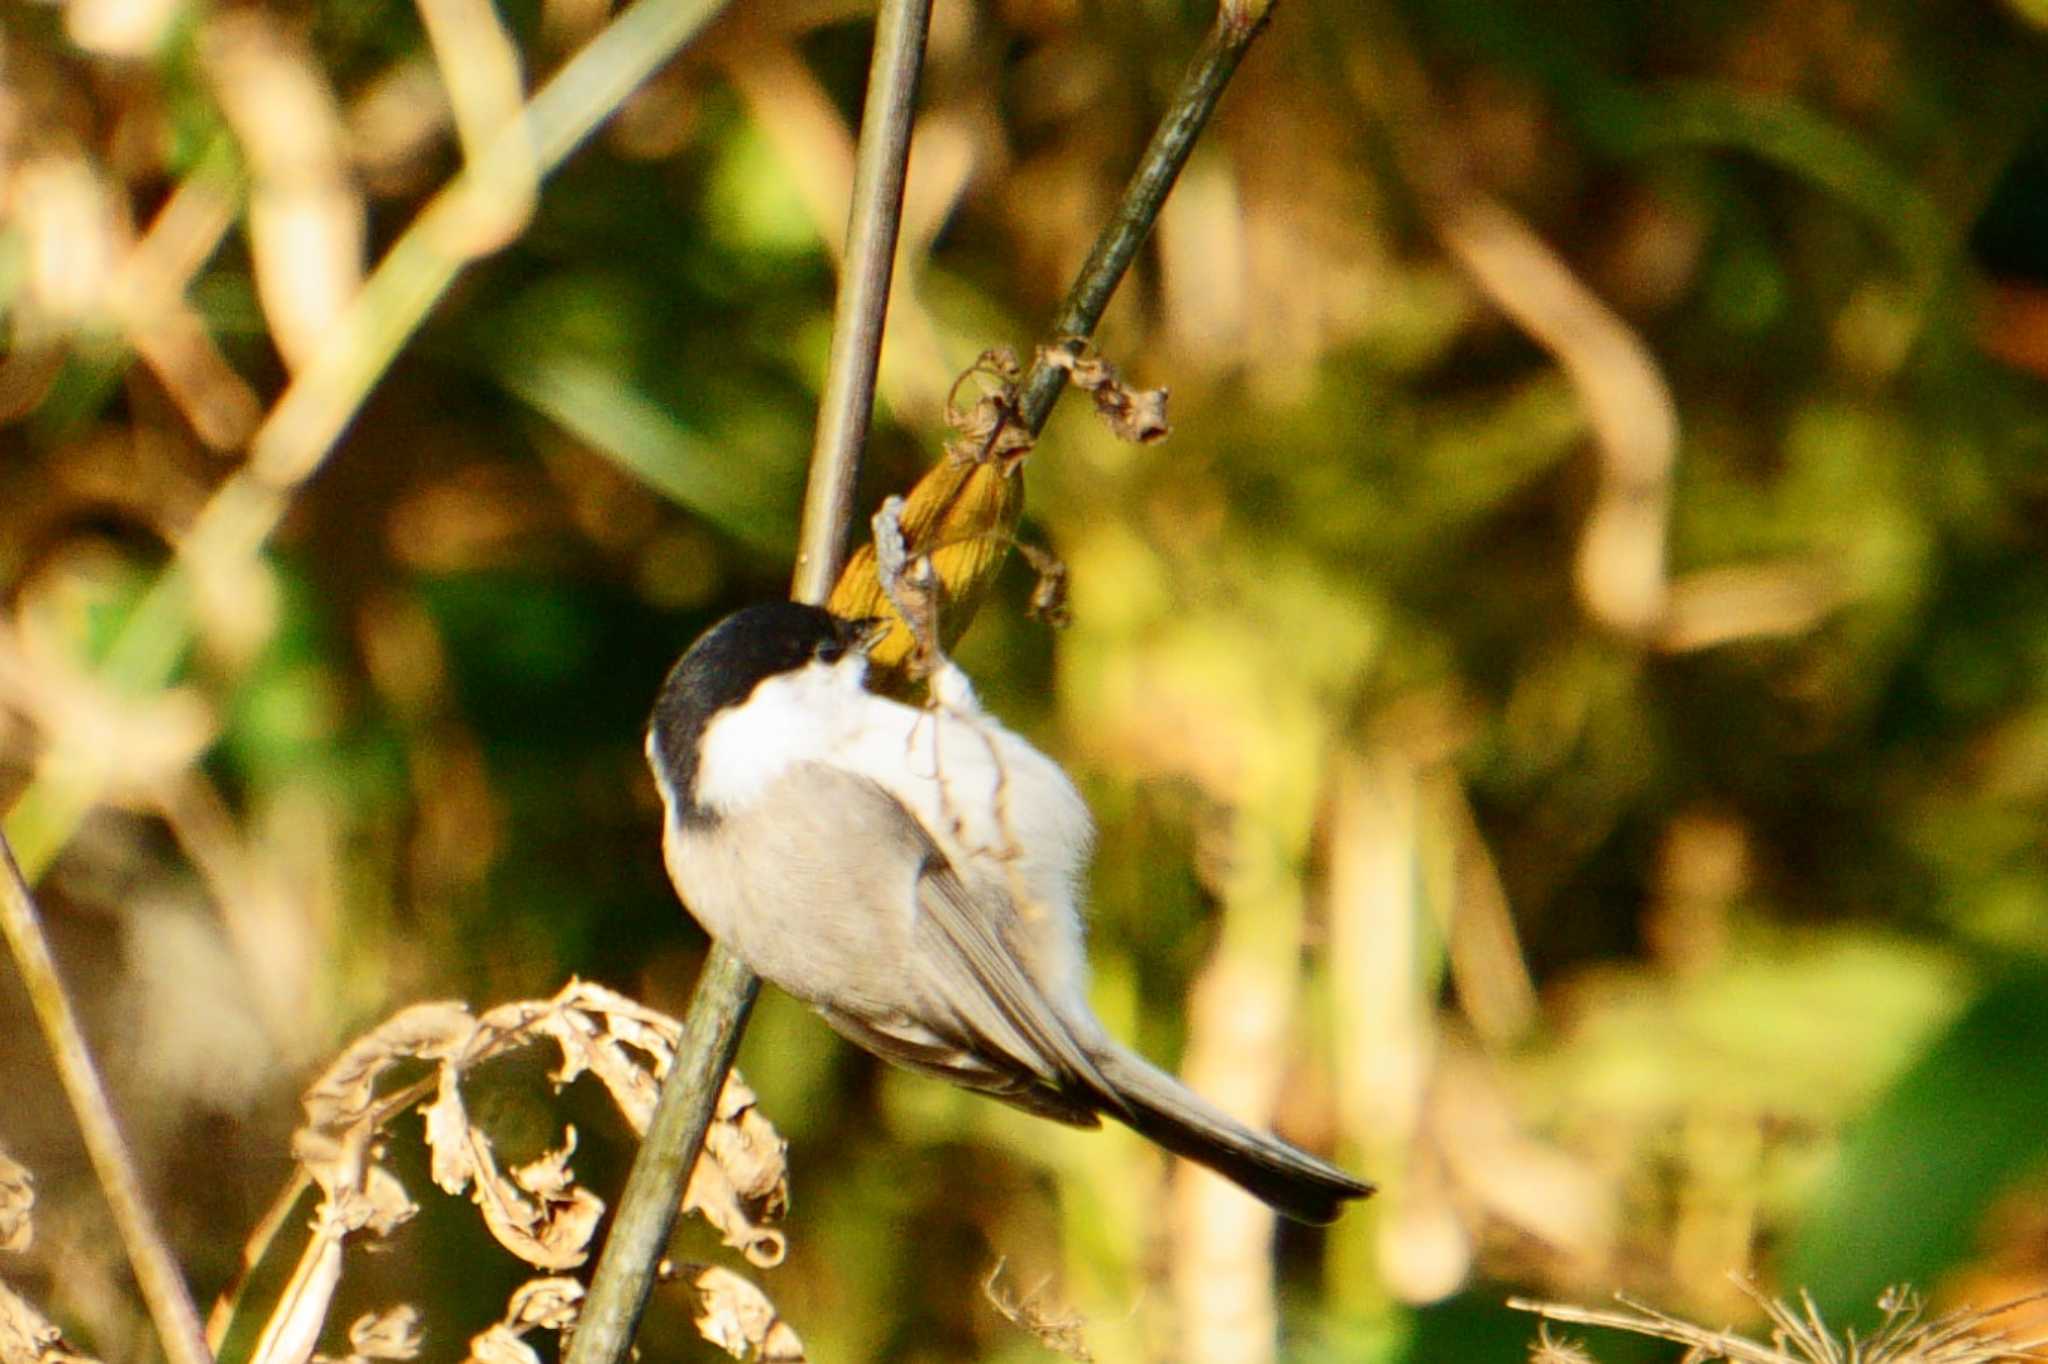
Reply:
x=831 y=651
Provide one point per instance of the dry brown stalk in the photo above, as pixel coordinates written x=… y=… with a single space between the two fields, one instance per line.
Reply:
x=1905 y=1334
x=163 y=1286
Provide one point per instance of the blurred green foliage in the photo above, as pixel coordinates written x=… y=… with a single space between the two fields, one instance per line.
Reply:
x=1775 y=864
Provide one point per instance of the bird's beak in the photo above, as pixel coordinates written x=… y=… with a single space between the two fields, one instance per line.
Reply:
x=869 y=631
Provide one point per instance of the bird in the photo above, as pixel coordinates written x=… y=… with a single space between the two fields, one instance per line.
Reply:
x=914 y=875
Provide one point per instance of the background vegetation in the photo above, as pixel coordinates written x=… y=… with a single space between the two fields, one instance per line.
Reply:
x=1567 y=709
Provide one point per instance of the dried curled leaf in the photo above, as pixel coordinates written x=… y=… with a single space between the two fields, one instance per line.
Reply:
x=382 y=1206
x=991 y=428
x=601 y=1032
x=744 y=1183
x=393 y=1333
x=1137 y=415
x=736 y=1316
x=550 y=1303
x=537 y=1211
x=28 y=1337
x=1049 y=596
x=17 y=1201
x=500 y=1344
x=550 y=1230
x=345 y=1091
x=447 y=1129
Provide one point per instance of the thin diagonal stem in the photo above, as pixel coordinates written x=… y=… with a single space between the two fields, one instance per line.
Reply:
x=848 y=401
x=163 y=1287
x=727 y=989
x=1238 y=22
x=626 y=1269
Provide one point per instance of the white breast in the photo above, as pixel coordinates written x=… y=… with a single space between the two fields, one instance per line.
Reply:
x=1002 y=812
x=994 y=804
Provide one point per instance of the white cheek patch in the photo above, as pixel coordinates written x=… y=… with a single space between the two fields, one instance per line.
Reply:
x=791 y=718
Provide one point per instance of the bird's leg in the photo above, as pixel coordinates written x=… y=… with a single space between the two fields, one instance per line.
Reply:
x=912 y=586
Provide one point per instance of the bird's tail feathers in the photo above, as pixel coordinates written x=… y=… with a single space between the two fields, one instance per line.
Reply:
x=1290 y=1181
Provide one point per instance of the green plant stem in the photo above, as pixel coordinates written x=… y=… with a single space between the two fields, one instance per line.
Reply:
x=163 y=1287
x=465 y=220
x=627 y=1269
x=725 y=995
x=847 y=404
x=1187 y=114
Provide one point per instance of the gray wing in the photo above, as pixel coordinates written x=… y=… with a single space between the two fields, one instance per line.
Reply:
x=963 y=939
x=965 y=1006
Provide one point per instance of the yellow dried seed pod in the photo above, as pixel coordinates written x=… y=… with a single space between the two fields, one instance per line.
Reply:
x=963 y=515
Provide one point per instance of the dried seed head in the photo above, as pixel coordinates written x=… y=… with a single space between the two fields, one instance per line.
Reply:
x=960 y=521
x=17 y=1198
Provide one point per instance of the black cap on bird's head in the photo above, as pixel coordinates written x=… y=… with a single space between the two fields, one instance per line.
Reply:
x=724 y=665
